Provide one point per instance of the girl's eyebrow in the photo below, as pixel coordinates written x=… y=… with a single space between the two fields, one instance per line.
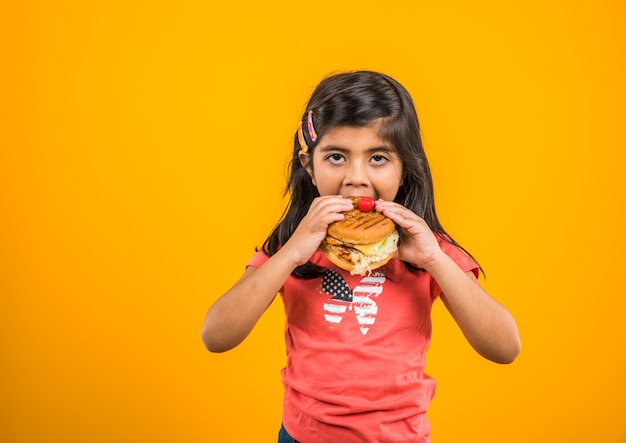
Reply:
x=382 y=148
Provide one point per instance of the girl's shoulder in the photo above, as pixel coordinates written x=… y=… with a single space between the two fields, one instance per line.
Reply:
x=457 y=254
x=258 y=258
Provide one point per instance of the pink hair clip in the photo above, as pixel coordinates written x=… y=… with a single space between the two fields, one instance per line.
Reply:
x=309 y=121
x=311 y=129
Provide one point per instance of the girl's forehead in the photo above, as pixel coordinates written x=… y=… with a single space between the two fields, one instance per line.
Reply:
x=346 y=136
x=374 y=125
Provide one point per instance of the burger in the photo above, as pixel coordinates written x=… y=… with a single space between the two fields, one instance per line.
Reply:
x=363 y=241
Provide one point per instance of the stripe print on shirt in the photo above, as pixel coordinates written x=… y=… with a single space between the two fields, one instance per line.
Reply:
x=359 y=300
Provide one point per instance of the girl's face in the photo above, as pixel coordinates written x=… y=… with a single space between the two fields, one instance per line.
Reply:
x=355 y=162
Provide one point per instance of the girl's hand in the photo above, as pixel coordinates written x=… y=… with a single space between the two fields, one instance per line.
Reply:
x=419 y=245
x=308 y=236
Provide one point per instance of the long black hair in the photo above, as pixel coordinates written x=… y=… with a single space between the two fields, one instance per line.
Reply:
x=356 y=99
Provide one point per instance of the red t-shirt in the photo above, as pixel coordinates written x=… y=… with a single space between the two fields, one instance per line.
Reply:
x=356 y=348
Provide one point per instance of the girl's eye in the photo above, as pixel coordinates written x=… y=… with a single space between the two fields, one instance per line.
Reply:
x=335 y=159
x=378 y=159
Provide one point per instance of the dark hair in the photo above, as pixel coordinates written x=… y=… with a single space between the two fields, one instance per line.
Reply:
x=356 y=99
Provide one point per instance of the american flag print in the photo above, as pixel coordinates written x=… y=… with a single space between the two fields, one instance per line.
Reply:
x=360 y=300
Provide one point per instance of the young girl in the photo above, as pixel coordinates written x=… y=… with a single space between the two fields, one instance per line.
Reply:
x=356 y=344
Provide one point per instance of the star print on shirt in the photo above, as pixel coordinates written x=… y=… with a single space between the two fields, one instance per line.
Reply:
x=360 y=299
x=334 y=284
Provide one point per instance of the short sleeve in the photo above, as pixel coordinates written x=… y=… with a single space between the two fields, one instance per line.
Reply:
x=460 y=258
x=258 y=259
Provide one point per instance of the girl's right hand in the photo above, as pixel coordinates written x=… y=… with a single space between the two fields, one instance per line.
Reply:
x=308 y=236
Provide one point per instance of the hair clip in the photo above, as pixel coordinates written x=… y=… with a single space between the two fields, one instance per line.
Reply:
x=309 y=121
x=303 y=145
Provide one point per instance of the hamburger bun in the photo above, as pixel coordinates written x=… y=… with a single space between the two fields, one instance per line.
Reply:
x=362 y=241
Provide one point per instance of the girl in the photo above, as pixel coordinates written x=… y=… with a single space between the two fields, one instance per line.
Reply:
x=356 y=344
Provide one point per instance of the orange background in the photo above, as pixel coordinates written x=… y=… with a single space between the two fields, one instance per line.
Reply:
x=135 y=137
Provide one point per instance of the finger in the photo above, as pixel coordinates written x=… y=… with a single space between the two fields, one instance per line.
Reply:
x=335 y=203
x=326 y=210
x=400 y=214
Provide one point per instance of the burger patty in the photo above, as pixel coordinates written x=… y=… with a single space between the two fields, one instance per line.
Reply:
x=340 y=249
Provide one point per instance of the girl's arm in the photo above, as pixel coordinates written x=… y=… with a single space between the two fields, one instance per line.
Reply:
x=487 y=325
x=234 y=314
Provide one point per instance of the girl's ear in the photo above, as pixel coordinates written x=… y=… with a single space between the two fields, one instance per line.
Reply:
x=305 y=161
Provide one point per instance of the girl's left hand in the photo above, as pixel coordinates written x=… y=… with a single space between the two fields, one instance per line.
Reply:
x=419 y=245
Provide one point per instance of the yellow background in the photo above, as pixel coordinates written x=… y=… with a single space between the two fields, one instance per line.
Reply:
x=136 y=137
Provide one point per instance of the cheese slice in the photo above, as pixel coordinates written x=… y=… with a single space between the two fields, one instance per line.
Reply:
x=369 y=249
x=378 y=247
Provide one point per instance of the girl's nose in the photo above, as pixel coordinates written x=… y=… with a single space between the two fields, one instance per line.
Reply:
x=356 y=175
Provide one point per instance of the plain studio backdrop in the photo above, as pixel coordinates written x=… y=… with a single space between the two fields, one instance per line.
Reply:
x=143 y=151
